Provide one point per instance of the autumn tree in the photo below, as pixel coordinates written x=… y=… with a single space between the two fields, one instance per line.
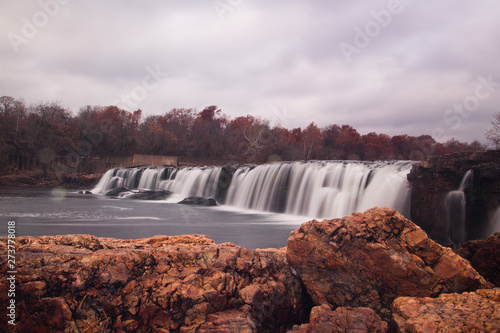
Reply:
x=179 y=122
x=376 y=146
x=12 y=129
x=208 y=132
x=331 y=140
x=12 y=114
x=350 y=143
x=493 y=133
x=312 y=142
x=283 y=145
x=156 y=139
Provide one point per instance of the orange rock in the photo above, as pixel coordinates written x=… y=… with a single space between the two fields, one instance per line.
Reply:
x=369 y=259
x=343 y=319
x=468 y=312
x=158 y=284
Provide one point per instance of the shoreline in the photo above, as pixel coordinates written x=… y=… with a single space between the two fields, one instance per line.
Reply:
x=37 y=179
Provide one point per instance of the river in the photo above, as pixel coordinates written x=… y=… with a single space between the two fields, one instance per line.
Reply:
x=40 y=212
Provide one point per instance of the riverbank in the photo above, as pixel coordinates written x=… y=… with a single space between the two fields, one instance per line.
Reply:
x=39 y=179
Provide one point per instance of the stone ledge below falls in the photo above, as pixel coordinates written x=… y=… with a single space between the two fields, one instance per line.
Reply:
x=351 y=270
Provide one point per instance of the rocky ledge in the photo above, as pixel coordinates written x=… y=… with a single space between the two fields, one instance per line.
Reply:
x=81 y=283
x=369 y=272
x=468 y=312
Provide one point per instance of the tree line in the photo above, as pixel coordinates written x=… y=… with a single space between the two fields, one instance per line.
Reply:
x=47 y=130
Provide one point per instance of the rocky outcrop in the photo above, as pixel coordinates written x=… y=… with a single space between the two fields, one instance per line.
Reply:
x=140 y=194
x=360 y=320
x=149 y=195
x=434 y=177
x=198 y=201
x=468 y=312
x=484 y=256
x=369 y=259
x=161 y=284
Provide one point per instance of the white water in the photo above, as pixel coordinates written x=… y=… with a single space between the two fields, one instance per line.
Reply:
x=455 y=205
x=200 y=182
x=494 y=223
x=319 y=189
x=258 y=188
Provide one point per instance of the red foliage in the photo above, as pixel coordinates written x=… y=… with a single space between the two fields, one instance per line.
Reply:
x=101 y=131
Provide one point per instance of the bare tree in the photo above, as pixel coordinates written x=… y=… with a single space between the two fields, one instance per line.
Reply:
x=493 y=134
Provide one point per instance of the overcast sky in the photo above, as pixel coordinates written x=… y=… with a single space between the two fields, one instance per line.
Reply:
x=394 y=67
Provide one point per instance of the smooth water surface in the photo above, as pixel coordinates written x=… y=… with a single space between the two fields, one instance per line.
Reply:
x=40 y=212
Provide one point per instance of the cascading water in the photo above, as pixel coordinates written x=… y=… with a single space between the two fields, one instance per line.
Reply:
x=455 y=205
x=319 y=189
x=494 y=223
x=185 y=182
x=200 y=182
x=261 y=188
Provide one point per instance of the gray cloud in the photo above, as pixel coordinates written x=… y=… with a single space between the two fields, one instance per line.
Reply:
x=264 y=58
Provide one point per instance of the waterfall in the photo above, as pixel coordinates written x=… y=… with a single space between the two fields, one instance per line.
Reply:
x=262 y=187
x=188 y=182
x=318 y=189
x=455 y=205
x=494 y=223
x=185 y=182
x=321 y=189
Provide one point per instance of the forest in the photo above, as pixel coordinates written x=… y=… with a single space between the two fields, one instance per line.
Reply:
x=47 y=130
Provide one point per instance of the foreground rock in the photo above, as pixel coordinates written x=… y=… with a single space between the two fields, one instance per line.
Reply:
x=161 y=284
x=369 y=259
x=469 y=312
x=359 y=320
x=484 y=256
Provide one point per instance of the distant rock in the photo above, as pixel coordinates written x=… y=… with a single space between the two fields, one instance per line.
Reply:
x=84 y=192
x=484 y=256
x=137 y=194
x=198 y=201
x=116 y=191
x=78 y=283
x=359 y=320
x=149 y=195
x=369 y=259
x=468 y=312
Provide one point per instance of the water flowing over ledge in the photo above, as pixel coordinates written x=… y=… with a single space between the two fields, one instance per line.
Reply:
x=320 y=189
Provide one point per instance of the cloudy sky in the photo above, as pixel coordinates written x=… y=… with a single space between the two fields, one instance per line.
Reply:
x=394 y=67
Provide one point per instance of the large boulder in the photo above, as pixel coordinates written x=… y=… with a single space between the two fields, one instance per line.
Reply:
x=369 y=259
x=79 y=283
x=484 y=256
x=468 y=312
x=344 y=319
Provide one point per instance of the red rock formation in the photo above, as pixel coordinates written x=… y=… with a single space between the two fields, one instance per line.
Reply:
x=484 y=256
x=160 y=284
x=359 y=320
x=468 y=312
x=368 y=259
